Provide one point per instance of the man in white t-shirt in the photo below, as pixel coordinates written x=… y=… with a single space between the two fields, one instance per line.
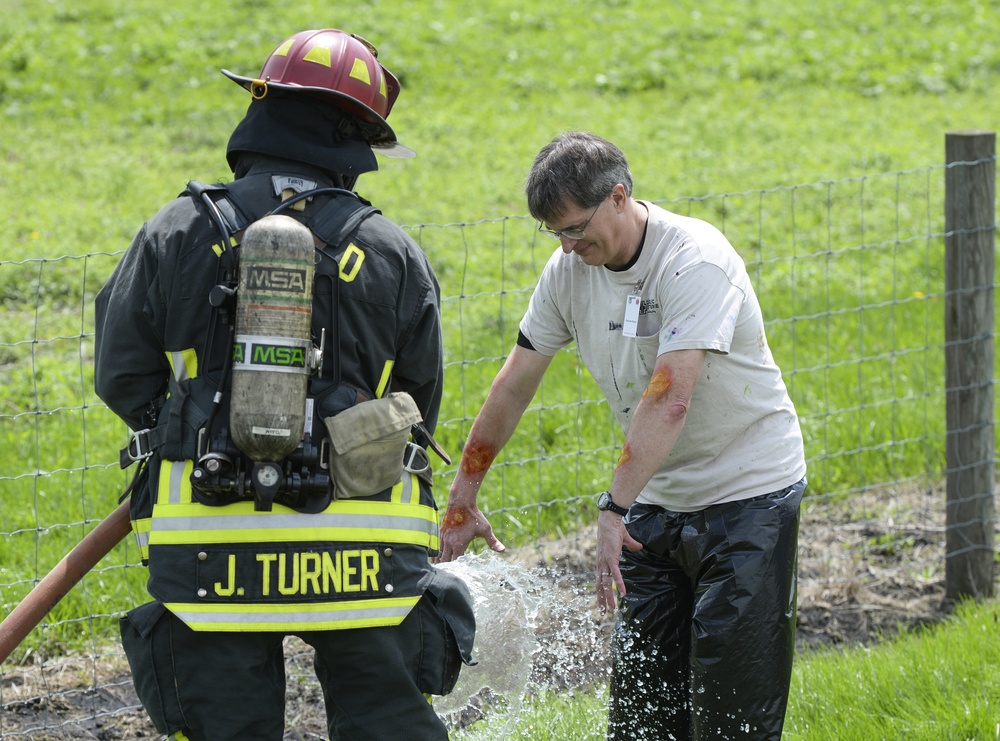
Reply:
x=698 y=529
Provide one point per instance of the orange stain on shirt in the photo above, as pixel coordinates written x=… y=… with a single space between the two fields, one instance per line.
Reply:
x=658 y=384
x=477 y=457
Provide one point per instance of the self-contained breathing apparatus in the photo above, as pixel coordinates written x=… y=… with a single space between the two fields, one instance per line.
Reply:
x=272 y=359
x=267 y=452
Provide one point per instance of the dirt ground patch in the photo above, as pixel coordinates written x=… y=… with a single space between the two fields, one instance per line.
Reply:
x=870 y=565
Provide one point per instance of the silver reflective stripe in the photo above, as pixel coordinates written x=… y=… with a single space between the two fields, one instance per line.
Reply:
x=178 y=481
x=408 y=488
x=309 y=525
x=308 y=616
x=177 y=360
x=344 y=521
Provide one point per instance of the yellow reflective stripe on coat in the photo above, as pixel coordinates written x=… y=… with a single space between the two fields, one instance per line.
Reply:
x=183 y=363
x=177 y=520
x=343 y=521
x=140 y=528
x=174 y=486
x=383 y=382
x=293 y=617
x=406 y=490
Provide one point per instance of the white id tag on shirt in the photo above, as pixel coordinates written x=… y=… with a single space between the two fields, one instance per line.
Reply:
x=631 y=316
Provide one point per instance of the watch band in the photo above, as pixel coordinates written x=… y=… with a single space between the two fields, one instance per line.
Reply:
x=607 y=504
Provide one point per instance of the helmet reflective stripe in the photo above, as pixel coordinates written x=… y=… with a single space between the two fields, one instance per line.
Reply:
x=283 y=47
x=292 y=617
x=344 y=520
x=359 y=71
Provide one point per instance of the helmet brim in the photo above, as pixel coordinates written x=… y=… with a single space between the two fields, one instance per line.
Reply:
x=394 y=150
x=386 y=144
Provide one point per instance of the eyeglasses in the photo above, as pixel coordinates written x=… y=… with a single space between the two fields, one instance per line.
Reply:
x=575 y=233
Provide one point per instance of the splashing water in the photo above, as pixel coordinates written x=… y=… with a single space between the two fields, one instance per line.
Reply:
x=532 y=633
x=506 y=609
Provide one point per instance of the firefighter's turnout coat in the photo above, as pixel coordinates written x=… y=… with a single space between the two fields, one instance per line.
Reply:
x=161 y=353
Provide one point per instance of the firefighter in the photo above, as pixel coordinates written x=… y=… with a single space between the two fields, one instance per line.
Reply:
x=274 y=343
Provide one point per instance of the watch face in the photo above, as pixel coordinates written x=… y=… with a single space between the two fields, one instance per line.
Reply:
x=607 y=504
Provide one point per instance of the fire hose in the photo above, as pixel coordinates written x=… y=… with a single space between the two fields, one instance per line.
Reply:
x=60 y=580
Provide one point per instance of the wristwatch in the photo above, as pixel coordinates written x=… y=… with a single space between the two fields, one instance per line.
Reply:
x=606 y=504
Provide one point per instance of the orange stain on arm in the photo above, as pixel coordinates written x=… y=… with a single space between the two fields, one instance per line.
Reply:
x=659 y=384
x=477 y=457
x=454 y=517
x=625 y=457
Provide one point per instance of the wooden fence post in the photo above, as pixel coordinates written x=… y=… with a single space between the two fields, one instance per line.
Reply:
x=970 y=193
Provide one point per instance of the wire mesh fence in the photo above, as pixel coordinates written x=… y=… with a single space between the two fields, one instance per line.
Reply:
x=851 y=278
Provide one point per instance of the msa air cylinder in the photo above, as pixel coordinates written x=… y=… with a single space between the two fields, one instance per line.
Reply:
x=272 y=355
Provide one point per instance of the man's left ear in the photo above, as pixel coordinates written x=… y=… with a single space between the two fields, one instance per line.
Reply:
x=619 y=196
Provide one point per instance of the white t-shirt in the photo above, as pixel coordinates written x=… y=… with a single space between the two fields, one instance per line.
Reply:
x=741 y=437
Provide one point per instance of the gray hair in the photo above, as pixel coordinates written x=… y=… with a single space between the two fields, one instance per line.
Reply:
x=576 y=168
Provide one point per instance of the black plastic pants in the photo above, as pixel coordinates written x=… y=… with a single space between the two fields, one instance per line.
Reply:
x=705 y=636
x=231 y=686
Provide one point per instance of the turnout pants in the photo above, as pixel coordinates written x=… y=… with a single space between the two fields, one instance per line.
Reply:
x=704 y=639
x=204 y=686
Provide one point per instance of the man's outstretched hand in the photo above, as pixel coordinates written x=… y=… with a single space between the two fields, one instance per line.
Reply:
x=459 y=527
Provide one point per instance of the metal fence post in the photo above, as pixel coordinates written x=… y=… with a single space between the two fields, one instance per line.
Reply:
x=970 y=228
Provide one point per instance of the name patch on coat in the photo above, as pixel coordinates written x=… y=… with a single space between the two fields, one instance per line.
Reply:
x=294 y=575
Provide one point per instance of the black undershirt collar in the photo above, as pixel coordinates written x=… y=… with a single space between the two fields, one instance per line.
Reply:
x=635 y=257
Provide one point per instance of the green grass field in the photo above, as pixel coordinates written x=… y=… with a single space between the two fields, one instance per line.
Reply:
x=931 y=685
x=109 y=107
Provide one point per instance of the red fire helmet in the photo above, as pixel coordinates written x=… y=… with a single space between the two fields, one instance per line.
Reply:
x=340 y=67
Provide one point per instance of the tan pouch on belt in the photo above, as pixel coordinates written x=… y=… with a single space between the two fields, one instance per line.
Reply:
x=367 y=442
